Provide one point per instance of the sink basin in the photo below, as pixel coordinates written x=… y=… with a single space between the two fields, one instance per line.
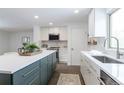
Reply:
x=105 y=59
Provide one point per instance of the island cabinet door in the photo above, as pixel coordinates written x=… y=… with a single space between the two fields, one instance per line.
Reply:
x=29 y=75
x=5 y=79
x=43 y=71
x=50 y=66
x=54 y=61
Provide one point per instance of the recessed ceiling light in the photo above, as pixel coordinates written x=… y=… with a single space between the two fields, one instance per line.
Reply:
x=36 y=17
x=50 y=23
x=76 y=11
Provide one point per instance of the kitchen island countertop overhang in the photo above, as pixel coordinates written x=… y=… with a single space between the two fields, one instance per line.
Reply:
x=11 y=63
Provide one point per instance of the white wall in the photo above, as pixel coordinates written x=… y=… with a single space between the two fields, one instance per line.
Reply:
x=15 y=39
x=36 y=35
x=3 y=42
x=44 y=33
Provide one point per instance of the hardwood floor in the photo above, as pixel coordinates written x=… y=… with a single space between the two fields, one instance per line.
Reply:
x=63 y=68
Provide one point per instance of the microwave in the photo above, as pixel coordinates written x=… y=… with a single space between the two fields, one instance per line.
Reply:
x=53 y=36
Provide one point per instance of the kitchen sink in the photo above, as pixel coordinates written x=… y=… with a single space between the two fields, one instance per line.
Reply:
x=105 y=59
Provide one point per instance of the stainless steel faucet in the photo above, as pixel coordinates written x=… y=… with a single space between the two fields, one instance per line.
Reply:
x=118 y=54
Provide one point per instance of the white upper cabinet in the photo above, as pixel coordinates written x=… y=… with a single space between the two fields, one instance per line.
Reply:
x=62 y=31
x=97 y=22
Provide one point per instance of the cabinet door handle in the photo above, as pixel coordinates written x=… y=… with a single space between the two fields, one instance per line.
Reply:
x=30 y=71
x=72 y=49
x=88 y=71
x=101 y=82
x=33 y=80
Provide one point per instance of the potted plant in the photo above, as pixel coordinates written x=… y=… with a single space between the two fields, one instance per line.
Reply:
x=31 y=47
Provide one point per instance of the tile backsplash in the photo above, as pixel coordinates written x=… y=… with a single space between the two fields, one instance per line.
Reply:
x=56 y=44
x=99 y=46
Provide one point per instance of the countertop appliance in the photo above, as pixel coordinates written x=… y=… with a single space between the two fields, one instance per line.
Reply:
x=107 y=79
x=53 y=36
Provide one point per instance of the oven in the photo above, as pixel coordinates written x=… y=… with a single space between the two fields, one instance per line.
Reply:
x=57 y=52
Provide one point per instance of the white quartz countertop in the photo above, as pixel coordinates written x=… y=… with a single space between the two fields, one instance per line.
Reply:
x=10 y=63
x=115 y=71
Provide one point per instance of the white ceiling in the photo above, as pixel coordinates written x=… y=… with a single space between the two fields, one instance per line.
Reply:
x=23 y=18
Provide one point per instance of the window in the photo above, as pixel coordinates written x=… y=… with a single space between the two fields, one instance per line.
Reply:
x=117 y=28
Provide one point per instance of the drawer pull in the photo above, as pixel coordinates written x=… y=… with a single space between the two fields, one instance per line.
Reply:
x=33 y=80
x=101 y=82
x=88 y=71
x=30 y=71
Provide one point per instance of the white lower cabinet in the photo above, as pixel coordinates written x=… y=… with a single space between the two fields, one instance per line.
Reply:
x=63 y=54
x=92 y=78
x=90 y=74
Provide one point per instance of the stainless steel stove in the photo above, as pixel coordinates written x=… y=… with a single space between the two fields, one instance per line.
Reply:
x=57 y=53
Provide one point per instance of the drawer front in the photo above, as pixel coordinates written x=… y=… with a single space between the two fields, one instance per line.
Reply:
x=43 y=71
x=54 y=61
x=34 y=79
x=23 y=75
x=54 y=57
x=93 y=66
x=50 y=58
x=49 y=66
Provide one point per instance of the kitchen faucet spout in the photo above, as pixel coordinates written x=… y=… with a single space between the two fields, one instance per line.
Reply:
x=117 y=51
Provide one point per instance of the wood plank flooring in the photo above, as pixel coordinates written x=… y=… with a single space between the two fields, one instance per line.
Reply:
x=63 y=68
